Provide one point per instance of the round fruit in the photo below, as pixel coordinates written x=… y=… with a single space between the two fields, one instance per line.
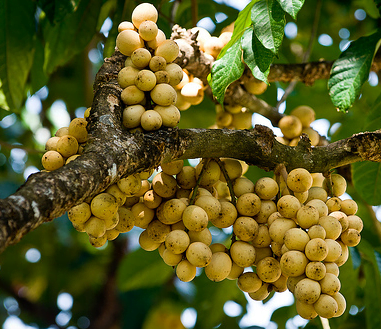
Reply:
x=219 y=267
x=144 y=12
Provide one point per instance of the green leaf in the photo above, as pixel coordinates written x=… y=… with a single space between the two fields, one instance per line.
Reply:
x=226 y=70
x=242 y=22
x=70 y=36
x=256 y=56
x=142 y=269
x=351 y=70
x=17 y=31
x=373 y=119
x=56 y=10
x=367 y=181
x=268 y=21
x=291 y=7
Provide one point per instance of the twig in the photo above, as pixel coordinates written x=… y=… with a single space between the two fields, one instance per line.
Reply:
x=16 y=146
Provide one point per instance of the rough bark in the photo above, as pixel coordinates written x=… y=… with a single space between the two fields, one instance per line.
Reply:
x=112 y=152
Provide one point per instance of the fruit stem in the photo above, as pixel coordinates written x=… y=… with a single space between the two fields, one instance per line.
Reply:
x=228 y=181
x=204 y=164
x=327 y=176
x=325 y=323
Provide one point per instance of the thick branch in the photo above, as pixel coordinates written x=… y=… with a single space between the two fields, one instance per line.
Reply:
x=113 y=152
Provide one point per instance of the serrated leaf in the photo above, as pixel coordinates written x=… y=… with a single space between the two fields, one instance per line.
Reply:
x=71 y=35
x=351 y=70
x=367 y=181
x=242 y=22
x=17 y=30
x=226 y=70
x=291 y=7
x=249 y=51
x=142 y=269
x=268 y=21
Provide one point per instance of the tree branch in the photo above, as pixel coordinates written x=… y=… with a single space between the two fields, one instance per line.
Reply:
x=113 y=152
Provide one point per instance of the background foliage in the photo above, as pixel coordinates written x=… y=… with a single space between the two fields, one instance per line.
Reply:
x=49 y=54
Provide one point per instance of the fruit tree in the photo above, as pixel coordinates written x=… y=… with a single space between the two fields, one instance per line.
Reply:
x=184 y=161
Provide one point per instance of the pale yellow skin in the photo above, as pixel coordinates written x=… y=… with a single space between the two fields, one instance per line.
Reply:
x=288 y=206
x=127 y=41
x=146 y=185
x=280 y=285
x=199 y=254
x=334 y=250
x=186 y=178
x=112 y=234
x=339 y=185
x=351 y=237
x=160 y=38
x=168 y=49
x=249 y=282
x=344 y=254
x=52 y=160
x=306 y=311
x=144 y=12
x=125 y=25
x=177 y=241
x=126 y=220
x=290 y=126
x=261 y=253
x=170 y=115
x=130 y=184
x=112 y=221
x=299 y=180
x=211 y=173
x=333 y=204
x=79 y=214
x=315 y=270
x=326 y=306
x=158 y=231
x=151 y=120
x=146 y=243
x=203 y=236
x=242 y=185
x=330 y=284
x=132 y=95
x=242 y=120
x=145 y=80
x=210 y=204
x=192 y=93
x=157 y=63
x=279 y=228
x=293 y=263
x=98 y=242
x=219 y=267
x=305 y=114
x=262 y=293
x=296 y=239
x=320 y=206
x=242 y=253
x=268 y=269
x=316 y=250
x=268 y=207
x=248 y=204
x=227 y=216
x=332 y=268
x=307 y=291
x=104 y=205
x=332 y=226
x=317 y=231
x=170 y=258
x=317 y=192
x=293 y=280
x=263 y=238
x=164 y=185
x=71 y=158
x=148 y=30
x=217 y=247
x=245 y=228
x=151 y=199
x=213 y=46
x=195 y=218
x=77 y=128
x=163 y=94
x=235 y=272
x=67 y=145
x=341 y=304
x=51 y=143
x=185 y=271
x=266 y=188
x=175 y=73
x=173 y=167
x=355 y=222
x=171 y=211
x=127 y=76
x=255 y=86
x=95 y=227
x=233 y=169
x=163 y=77
x=349 y=207
x=62 y=132
x=119 y=196
x=142 y=214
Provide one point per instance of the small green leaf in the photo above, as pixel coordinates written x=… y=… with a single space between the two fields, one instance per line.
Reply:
x=268 y=21
x=367 y=181
x=142 y=269
x=291 y=7
x=242 y=22
x=17 y=31
x=68 y=37
x=226 y=70
x=251 y=52
x=351 y=70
